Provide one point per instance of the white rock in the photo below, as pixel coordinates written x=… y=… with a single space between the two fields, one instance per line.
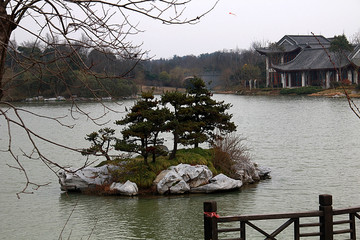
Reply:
x=193 y=175
x=170 y=179
x=179 y=179
x=128 y=188
x=218 y=183
x=264 y=172
x=161 y=175
x=246 y=171
x=180 y=188
x=84 y=178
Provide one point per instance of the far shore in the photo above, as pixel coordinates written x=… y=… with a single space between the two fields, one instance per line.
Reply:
x=332 y=92
x=339 y=92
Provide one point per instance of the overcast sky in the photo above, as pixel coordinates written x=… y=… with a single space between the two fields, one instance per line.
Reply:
x=249 y=21
x=252 y=20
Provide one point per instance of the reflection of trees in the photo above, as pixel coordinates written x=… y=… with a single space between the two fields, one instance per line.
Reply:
x=152 y=217
x=134 y=218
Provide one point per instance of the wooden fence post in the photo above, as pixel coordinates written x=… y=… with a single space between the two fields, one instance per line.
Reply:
x=352 y=226
x=210 y=223
x=326 y=220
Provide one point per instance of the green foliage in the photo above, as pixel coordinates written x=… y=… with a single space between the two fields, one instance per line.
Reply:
x=177 y=122
x=224 y=63
x=55 y=71
x=143 y=174
x=164 y=77
x=248 y=72
x=340 y=44
x=196 y=156
x=136 y=171
x=341 y=48
x=100 y=143
x=194 y=118
x=143 y=123
x=203 y=115
x=300 y=91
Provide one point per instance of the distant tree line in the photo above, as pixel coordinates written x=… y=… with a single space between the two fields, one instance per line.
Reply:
x=234 y=67
x=57 y=70
x=54 y=70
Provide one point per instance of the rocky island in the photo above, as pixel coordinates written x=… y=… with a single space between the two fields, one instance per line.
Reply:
x=180 y=179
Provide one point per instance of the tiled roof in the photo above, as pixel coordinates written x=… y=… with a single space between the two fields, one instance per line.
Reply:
x=312 y=55
x=290 y=43
x=304 y=40
x=356 y=52
x=311 y=59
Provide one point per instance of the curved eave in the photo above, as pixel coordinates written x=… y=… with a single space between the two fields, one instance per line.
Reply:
x=285 y=68
x=267 y=51
x=310 y=59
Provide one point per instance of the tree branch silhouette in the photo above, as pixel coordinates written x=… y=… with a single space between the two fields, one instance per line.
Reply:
x=57 y=62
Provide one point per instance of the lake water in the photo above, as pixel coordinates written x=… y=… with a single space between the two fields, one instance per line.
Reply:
x=311 y=144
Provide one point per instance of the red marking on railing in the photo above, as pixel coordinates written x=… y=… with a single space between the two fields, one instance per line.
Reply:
x=211 y=214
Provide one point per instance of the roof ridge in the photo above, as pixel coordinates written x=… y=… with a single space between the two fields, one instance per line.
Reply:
x=304 y=35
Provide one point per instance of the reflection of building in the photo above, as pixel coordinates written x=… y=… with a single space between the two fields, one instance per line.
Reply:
x=300 y=60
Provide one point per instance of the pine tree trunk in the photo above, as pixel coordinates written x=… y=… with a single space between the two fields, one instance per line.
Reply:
x=6 y=28
x=176 y=139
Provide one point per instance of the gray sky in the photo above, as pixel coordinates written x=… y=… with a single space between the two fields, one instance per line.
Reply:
x=250 y=21
x=255 y=20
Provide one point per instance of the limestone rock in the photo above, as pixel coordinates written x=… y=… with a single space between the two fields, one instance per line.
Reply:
x=128 y=188
x=72 y=179
x=218 y=183
x=180 y=188
x=161 y=175
x=171 y=178
x=264 y=172
x=193 y=175
x=179 y=179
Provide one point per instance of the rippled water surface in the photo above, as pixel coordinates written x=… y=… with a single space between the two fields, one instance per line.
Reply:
x=311 y=144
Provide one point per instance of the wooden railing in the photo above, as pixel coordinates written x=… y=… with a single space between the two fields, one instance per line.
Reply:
x=321 y=225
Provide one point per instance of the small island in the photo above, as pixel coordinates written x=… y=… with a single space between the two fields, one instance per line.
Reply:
x=193 y=118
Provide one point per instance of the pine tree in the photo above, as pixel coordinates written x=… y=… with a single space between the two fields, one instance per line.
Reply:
x=144 y=122
x=177 y=122
x=204 y=115
x=100 y=143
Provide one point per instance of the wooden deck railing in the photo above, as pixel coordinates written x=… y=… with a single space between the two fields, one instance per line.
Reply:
x=321 y=223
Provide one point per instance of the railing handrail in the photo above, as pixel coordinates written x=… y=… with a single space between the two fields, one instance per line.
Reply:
x=252 y=217
x=346 y=210
x=325 y=221
x=270 y=216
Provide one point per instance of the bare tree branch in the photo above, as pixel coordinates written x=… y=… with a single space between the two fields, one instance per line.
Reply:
x=354 y=108
x=67 y=34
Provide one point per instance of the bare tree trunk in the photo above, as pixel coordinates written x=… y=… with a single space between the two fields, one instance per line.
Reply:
x=2 y=65
x=6 y=27
x=176 y=140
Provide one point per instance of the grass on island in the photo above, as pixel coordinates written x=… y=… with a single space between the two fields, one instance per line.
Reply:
x=143 y=175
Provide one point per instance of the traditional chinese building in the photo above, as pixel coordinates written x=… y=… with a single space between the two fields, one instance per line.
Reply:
x=305 y=60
